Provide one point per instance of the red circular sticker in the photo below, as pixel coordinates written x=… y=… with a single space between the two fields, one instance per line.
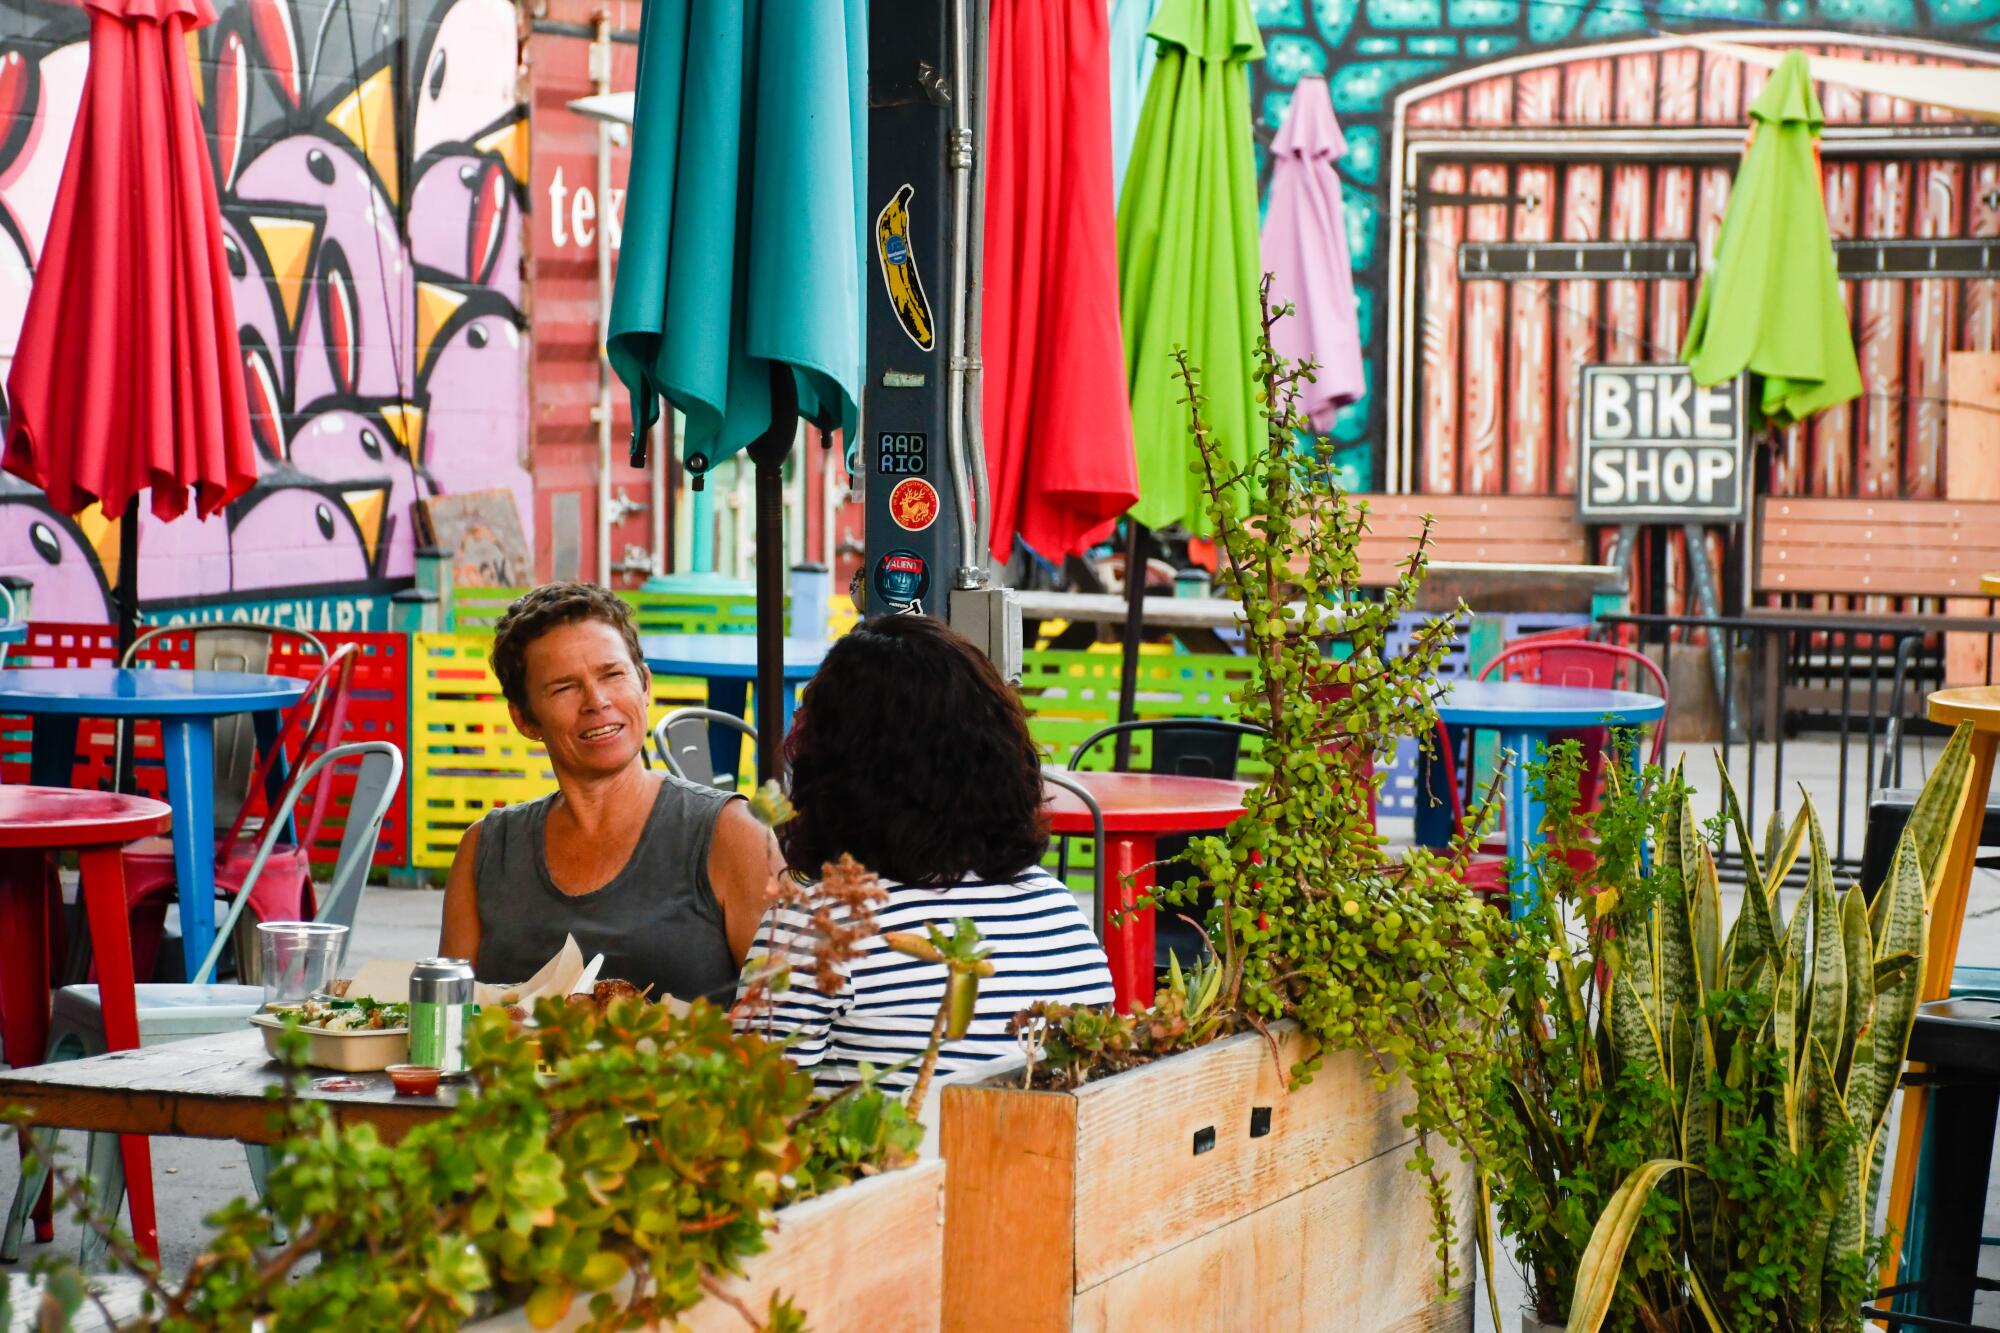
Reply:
x=913 y=504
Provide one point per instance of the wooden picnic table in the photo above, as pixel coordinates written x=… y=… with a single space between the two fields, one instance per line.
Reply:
x=203 y=1088
x=1198 y=622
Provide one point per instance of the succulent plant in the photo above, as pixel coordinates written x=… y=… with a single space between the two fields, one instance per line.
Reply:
x=1754 y=1066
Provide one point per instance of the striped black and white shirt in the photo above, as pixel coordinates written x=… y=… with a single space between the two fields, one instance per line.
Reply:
x=1040 y=944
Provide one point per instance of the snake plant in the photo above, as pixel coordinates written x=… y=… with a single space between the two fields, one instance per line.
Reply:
x=1739 y=1073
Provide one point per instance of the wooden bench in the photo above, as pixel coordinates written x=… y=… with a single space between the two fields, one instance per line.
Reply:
x=1471 y=530
x=1874 y=548
x=1496 y=552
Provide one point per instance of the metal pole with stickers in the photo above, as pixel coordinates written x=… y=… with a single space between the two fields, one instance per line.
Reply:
x=922 y=455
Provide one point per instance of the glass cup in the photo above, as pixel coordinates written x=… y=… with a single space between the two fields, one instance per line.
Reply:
x=299 y=958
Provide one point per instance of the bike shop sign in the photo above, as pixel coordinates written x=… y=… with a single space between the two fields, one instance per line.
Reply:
x=1657 y=447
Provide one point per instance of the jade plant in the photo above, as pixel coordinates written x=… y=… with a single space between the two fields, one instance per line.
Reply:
x=1311 y=917
x=1691 y=1115
x=616 y=1166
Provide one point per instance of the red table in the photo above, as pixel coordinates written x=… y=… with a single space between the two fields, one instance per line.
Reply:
x=35 y=824
x=1139 y=808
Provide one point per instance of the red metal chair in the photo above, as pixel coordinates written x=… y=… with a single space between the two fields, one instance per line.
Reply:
x=284 y=892
x=1558 y=657
x=1555 y=659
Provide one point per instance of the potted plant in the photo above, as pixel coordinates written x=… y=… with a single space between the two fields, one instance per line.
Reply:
x=646 y=1166
x=1300 y=1110
x=1691 y=1115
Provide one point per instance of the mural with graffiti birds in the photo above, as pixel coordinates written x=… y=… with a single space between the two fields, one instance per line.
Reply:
x=372 y=159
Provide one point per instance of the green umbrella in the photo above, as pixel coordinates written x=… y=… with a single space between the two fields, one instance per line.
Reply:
x=739 y=277
x=1771 y=304
x=742 y=247
x=1188 y=266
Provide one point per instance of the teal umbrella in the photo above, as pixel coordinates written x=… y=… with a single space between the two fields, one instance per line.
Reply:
x=738 y=297
x=1771 y=304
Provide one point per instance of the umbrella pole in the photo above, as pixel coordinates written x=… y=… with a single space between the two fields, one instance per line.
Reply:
x=127 y=611
x=768 y=453
x=1135 y=624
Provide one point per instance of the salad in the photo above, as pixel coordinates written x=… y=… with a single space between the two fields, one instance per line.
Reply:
x=363 y=1015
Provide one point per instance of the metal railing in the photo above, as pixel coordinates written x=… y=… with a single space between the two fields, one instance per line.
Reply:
x=1792 y=679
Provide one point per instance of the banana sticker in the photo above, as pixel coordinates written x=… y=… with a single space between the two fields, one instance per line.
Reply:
x=899 y=270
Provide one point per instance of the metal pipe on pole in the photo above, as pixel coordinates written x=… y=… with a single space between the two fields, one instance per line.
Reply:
x=600 y=82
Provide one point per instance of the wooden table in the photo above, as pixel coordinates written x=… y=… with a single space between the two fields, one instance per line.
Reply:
x=1138 y=808
x=1195 y=621
x=203 y=1088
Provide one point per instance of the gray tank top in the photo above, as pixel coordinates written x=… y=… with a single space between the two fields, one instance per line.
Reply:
x=657 y=922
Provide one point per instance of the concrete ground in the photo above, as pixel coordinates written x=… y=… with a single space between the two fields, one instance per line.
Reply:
x=194 y=1177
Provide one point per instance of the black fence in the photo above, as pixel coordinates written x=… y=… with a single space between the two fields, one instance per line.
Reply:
x=1781 y=678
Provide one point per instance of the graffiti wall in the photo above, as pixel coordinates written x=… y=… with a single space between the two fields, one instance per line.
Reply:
x=1373 y=52
x=372 y=159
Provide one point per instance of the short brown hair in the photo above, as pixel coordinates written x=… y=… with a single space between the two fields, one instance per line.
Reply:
x=912 y=754
x=539 y=610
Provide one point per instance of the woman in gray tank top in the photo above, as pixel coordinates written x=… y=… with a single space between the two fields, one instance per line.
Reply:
x=665 y=878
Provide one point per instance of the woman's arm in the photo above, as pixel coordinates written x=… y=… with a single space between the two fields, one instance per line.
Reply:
x=743 y=858
x=460 y=936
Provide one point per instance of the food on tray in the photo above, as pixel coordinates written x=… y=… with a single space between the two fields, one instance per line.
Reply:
x=362 y=1015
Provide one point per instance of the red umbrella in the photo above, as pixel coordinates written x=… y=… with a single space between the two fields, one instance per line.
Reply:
x=128 y=374
x=1058 y=418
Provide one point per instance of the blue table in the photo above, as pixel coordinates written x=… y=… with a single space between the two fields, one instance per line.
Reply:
x=186 y=704
x=1526 y=715
x=728 y=662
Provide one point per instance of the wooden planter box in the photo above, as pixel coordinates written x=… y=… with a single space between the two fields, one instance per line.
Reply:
x=869 y=1256
x=1195 y=1192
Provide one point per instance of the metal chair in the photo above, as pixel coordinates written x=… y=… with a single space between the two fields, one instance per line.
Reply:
x=681 y=737
x=313 y=723
x=1584 y=663
x=1060 y=778
x=176 y=1011
x=1176 y=749
x=223 y=647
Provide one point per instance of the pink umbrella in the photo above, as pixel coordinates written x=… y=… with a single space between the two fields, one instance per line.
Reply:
x=1305 y=250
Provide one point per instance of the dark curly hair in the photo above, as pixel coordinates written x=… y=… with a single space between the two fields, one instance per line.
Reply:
x=539 y=610
x=910 y=753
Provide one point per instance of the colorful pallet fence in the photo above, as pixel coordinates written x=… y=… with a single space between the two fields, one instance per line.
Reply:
x=465 y=756
x=378 y=709
x=657 y=612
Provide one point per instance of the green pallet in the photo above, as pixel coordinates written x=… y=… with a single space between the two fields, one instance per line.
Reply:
x=1071 y=694
x=476 y=609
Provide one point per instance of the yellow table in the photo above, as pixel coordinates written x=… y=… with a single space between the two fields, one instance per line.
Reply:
x=1978 y=705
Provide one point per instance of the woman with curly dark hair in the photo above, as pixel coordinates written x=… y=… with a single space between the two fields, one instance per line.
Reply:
x=910 y=754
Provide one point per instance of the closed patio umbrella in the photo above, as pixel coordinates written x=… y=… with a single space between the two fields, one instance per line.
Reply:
x=738 y=296
x=1188 y=271
x=1771 y=304
x=1305 y=252
x=1058 y=426
x=1188 y=263
x=129 y=376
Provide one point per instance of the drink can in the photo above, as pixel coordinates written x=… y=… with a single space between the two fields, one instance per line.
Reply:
x=440 y=1008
